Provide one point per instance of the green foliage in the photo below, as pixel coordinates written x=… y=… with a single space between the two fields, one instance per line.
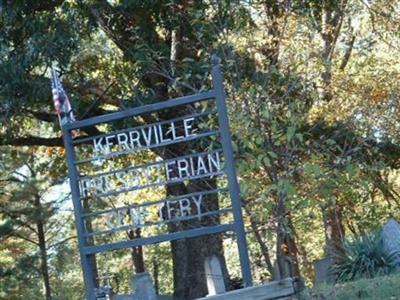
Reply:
x=292 y=145
x=362 y=257
x=382 y=288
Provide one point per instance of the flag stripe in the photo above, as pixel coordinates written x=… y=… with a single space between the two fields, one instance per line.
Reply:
x=60 y=99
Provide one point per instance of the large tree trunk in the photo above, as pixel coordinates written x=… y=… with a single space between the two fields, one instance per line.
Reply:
x=333 y=15
x=189 y=255
x=43 y=251
x=334 y=229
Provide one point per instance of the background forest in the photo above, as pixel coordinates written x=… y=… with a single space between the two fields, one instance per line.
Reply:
x=313 y=97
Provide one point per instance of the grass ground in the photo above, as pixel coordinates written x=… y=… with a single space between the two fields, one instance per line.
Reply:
x=379 y=288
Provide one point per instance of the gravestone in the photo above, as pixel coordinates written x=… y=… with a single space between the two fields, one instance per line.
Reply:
x=143 y=287
x=323 y=272
x=214 y=276
x=391 y=240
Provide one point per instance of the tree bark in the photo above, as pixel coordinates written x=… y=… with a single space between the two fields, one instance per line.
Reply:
x=42 y=248
x=291 y=245
x=263 y=246
x=286 y=248
x=31 y=140
x=137 y=252
x=334 y=230
x=92 y=258
x=189 y=255
x=156 y=275
x=333 y=14
x=273 y=11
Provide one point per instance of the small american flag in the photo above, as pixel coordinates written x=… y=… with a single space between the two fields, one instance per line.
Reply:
x=60 y=99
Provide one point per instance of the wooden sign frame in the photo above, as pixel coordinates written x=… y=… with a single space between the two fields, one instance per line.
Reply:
x=87 y=250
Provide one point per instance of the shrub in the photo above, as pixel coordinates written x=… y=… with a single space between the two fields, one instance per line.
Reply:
x=362 y=257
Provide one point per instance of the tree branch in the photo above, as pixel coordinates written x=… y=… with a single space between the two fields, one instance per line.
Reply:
x=43 y=116
x=347 y=54
x=120 y=26
x=48 y=5
x=31 y=141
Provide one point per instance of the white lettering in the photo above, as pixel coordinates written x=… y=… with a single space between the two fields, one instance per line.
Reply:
x=171 y=211
x=121 y=180
x=187 y=126
x=198 y=202
x=109 y=142
x=183 y=166
x=100 y=185
x=121 y=213
x=160 y=131
x=156 y=135
x=138 y=215
x=149 y=135
x=147 y=138
x=135 y=140
x=191 y=165
x=173 y=130
x=168 y=170
x=213 y=162
x=161 y=208
x=84 y=187
x=123 y=142
x=184 y=205
x=110 y=219
x=201 y=166
x=98 y=145
x=146 y=175
x=134 y=177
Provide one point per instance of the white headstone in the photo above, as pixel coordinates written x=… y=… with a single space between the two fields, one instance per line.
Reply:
x=214 y=276
x=391 y=240
x=143 y=287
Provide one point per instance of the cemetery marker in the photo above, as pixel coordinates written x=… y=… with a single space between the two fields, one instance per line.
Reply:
x=158 y=173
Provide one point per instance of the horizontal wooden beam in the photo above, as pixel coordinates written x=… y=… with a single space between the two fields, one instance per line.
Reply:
x=267 y=291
